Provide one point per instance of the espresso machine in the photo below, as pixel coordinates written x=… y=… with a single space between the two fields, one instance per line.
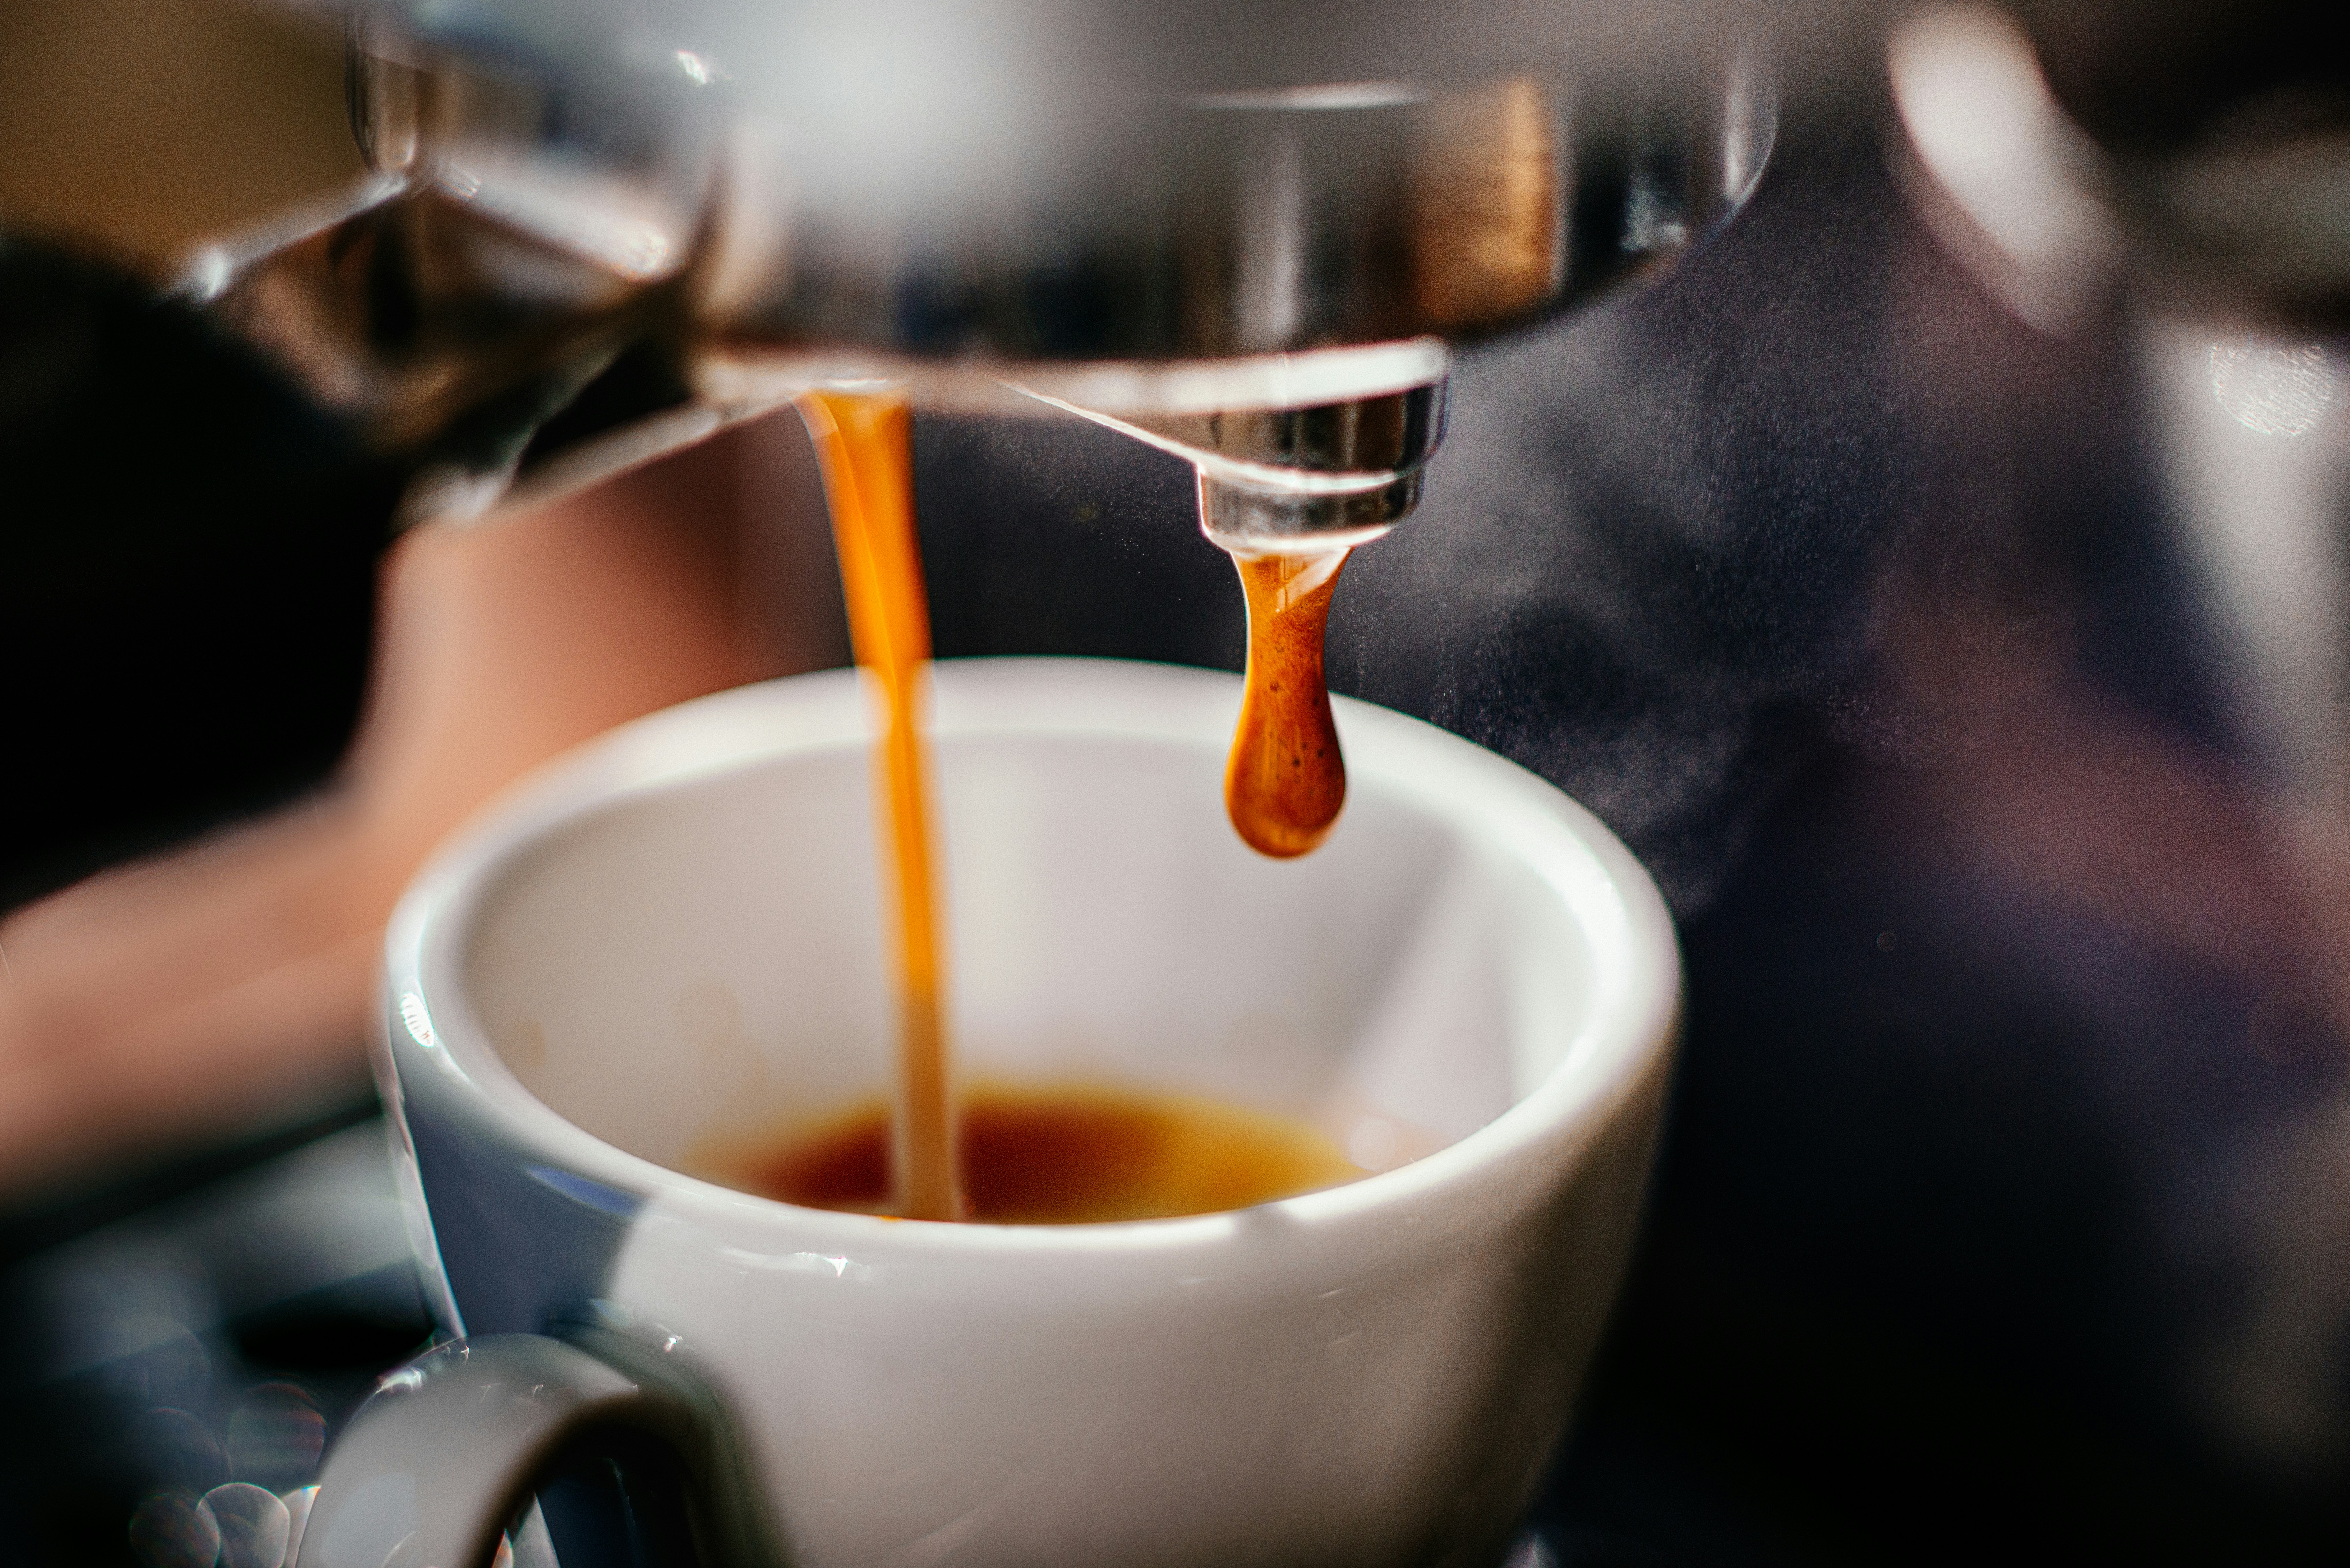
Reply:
x=1243 y=234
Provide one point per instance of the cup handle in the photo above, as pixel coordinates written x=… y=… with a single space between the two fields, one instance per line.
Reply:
x=440 y=1459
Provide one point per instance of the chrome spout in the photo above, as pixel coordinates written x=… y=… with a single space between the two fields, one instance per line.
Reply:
x=1311 y=470
x=1250 y=520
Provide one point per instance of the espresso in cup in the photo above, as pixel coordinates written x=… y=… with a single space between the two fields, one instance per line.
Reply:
x=1053 y=1154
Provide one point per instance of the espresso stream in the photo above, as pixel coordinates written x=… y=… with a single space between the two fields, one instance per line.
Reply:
x=1286 y=779
x=864 y=448
x=1069 y=1154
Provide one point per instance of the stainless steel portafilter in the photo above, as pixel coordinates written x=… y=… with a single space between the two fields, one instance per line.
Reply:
x=1245 y=232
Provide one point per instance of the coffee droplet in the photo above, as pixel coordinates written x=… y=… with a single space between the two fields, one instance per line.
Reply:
x=1286 y=781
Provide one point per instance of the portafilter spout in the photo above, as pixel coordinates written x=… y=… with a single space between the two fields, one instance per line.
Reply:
x=1245 y=232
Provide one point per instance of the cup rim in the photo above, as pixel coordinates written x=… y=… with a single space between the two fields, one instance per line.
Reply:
x=1625 y=1038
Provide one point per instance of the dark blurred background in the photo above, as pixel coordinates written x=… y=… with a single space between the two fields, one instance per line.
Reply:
x=2005 y=1205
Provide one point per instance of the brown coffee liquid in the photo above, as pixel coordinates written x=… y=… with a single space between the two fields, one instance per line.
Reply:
x=1286 y=779
x=1050 y=1160
x=863 y=445
x=1059 y=1156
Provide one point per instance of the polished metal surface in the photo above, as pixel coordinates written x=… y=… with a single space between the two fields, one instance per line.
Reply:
x=2199 y=149
x=2222 y=130
x=597 y=233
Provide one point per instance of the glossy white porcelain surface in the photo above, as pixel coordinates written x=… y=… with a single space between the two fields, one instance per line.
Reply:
x=675 y=934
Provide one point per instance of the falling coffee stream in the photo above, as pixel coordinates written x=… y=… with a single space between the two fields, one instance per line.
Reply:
x=1286 y=779
x=1283 y=785
x=862 y=444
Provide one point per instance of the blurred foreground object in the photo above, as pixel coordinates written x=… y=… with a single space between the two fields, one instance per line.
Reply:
x=189 y=597
x=187 y=572
x=188 y=993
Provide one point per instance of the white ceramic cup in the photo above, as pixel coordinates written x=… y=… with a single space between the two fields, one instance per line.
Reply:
x=675 y=934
